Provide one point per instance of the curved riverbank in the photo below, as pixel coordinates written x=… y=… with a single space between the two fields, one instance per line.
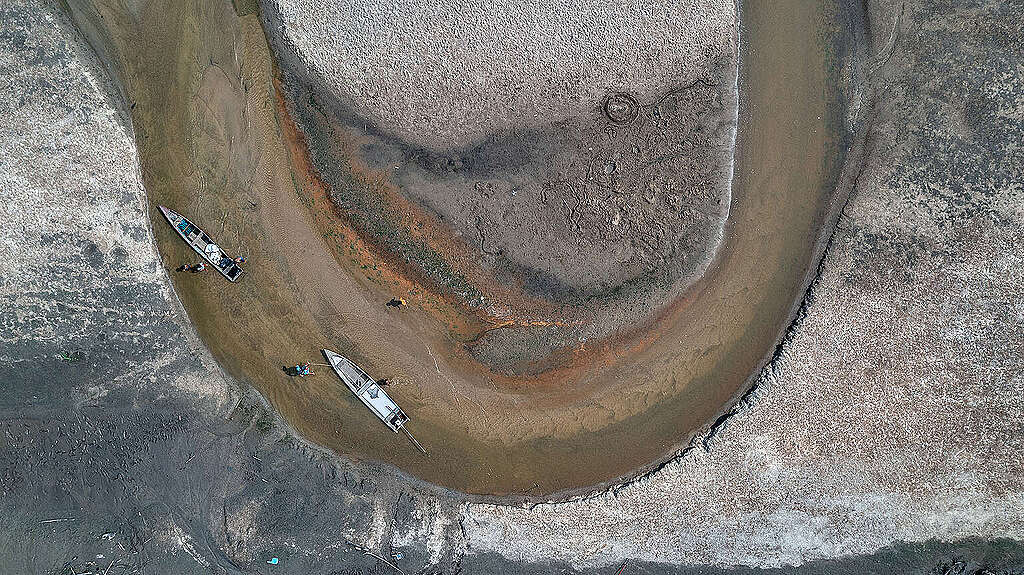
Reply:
x=891 y=412
x=559 y=226
x=210 y=130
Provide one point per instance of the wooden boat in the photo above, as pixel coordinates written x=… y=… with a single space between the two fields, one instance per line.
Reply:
x=371 y=394
x=203 y=245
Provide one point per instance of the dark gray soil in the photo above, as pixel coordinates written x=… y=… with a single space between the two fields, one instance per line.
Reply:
x=971 y=557
x=610 y=213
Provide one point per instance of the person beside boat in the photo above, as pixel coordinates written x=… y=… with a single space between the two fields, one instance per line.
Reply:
x=204 y=245
x=226 y=260
x=302 y=370
x=194 y=268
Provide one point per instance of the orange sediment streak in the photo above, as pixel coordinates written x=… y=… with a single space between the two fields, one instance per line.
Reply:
x=366 y=259
x=352 y=250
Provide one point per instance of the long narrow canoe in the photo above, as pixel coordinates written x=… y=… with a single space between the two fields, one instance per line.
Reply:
x=371 y=394
x=203 y=245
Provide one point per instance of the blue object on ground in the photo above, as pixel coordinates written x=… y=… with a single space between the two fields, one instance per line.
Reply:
x=272 y=561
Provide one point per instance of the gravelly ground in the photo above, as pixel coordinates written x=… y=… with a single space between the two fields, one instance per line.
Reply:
x=893 y=412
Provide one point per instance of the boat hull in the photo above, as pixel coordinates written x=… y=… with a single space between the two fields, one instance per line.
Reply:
x=366 y=389
x=203 y=245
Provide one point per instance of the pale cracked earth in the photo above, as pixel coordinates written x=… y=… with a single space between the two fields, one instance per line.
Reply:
x=891 y=414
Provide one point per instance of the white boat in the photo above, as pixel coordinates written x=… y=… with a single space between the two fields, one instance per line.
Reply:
x=371 y=394
x=203 y=245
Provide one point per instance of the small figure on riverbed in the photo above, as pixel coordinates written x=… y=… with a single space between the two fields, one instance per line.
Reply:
x=194 y=268
x=226 y=260
x=396 y=302
x=301 y=370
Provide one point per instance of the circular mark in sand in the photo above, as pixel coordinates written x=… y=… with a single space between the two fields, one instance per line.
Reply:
x=621 y=108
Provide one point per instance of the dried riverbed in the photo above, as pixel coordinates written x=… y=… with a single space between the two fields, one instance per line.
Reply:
x=884 y=436
x=218 y=142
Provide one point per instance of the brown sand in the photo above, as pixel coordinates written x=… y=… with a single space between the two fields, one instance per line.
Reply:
x=217 y=145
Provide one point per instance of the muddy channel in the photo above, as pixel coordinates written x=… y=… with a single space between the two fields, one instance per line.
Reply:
x=218 y=142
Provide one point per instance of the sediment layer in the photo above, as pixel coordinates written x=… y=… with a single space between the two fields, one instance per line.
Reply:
x=562 y=219
x=224 y=139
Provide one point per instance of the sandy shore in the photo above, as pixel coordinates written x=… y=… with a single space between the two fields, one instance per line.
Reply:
x=222 y=148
